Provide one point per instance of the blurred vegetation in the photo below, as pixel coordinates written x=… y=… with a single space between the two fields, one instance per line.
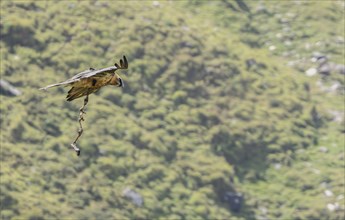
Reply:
x=216 y=100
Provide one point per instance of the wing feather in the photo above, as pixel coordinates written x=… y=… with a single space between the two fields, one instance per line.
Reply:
x=53 y=85
x=69 y=81
x=95 y=73
x=77 y=92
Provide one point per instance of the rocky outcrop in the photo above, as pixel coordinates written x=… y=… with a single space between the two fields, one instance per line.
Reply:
x=7 y=89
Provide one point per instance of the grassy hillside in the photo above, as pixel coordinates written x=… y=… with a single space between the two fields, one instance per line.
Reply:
x=216 y=101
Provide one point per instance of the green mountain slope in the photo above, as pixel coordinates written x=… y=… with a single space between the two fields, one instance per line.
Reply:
x=216 y=100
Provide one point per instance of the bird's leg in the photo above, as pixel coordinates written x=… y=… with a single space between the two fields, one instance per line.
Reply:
x=81 y=110
x=80 y=131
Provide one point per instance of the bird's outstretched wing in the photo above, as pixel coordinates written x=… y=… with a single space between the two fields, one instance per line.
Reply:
x=92 y=73
x=71 y=80
x=102 y=72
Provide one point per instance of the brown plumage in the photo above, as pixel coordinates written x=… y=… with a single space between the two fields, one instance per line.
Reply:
x=91 y=80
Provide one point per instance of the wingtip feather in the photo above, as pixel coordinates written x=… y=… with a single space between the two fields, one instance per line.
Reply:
x=125 y=61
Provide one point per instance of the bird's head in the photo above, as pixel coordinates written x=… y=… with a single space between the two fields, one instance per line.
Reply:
x=117 y=81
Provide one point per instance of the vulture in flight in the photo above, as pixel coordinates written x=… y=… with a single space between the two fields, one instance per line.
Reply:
x=91 y=80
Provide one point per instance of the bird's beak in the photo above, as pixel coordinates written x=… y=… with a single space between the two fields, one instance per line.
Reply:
x=121 y=84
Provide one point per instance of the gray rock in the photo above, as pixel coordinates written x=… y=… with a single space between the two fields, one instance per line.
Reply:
x=338 y=116
x=311 y=72
x=333 y=207
x=323 y=149
x=333 y=88
x=135 y=197
x=7 y=89
x=277 y=166
x=235 y=200
x=340 y=197
x=325 y=67
x=328 y=193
